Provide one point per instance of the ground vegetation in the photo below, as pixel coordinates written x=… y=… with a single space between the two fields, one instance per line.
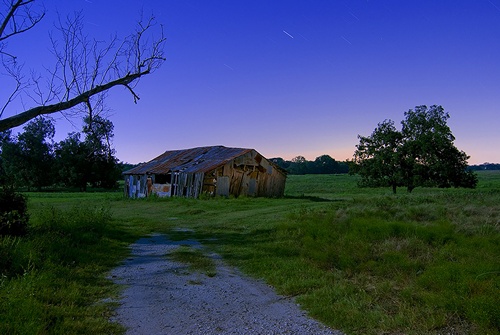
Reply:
x=361 y=260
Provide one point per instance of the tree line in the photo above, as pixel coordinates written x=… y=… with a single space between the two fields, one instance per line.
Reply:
x=321 y=165
x=33 y=160
x=485 y=166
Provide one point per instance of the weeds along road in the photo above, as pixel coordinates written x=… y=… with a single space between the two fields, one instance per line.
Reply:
x=162 y=296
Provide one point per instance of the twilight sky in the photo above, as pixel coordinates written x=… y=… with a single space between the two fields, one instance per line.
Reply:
x=291 y=78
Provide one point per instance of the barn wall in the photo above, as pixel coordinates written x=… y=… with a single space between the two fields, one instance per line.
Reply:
x=135 y=186
x=251 y=175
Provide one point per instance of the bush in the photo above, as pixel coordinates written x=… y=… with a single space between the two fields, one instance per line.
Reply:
x=13 y=213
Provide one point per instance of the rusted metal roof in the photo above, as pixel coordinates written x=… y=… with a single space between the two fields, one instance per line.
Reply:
x=202 y=159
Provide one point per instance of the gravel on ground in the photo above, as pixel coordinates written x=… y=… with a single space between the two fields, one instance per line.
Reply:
x=161 y=296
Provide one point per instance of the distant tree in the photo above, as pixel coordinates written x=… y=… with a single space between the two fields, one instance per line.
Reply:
x=91 y=161
x=298 y=165
x=9 y=158
x=299 y=160
x=321 y=165
x=72 y=163
x=326 y=165
x=378 y=157
x=281 y=162
x=98 y=133
x=421 y=154
x=485 y=166
x=83 y=69
x=343 y=167
x=98 y=137
x=29 y=160
x=126 y=166
x=431 y=158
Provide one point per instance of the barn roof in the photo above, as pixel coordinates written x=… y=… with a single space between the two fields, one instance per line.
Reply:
x=202 y=159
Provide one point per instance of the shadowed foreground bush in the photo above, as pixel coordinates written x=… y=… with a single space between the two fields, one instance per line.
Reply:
x=13 y=213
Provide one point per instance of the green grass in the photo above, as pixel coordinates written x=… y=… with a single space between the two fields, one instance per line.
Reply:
x=361 y=260
x=52 y=281
x=196 y=259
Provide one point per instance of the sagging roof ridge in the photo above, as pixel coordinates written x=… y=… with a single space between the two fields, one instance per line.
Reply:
x=200 y=159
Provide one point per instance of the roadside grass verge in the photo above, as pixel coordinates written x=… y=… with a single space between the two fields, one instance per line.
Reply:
x=53 y=280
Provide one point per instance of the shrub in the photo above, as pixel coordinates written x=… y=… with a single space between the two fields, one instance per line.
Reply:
x=13 y=213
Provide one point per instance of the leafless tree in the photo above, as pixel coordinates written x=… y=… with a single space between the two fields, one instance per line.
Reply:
x=84 y=69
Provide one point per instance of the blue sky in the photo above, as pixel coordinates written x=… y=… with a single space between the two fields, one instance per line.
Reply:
x=293 y=78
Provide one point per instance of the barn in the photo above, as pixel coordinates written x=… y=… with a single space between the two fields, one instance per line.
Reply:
x=214 y=170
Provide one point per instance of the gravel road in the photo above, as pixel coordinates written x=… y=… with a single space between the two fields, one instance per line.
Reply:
x=163 y=297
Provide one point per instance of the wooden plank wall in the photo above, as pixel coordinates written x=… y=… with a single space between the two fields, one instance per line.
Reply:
x=253 y=175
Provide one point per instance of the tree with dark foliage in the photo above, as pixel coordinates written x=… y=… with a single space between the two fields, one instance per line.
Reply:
x=13 y=212
x=90 y=161
x=27 y=159
x=8 y=150
x=73 y=169
x=31 y=159
x=36 y=144
x=83 y=71
x=323 y=164
x=485 y=166
x=100 y=154
x=421 y=154
x=378 y=157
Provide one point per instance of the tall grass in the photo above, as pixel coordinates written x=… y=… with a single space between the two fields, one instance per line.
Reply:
x=52 y=280
x=405 y=264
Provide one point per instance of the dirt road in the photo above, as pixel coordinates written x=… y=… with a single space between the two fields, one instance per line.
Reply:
x=164 y=297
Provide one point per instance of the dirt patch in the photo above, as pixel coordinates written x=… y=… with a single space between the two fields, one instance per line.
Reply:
x=164 y=297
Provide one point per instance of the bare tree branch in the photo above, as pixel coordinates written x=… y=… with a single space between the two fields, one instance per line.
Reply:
x=20 y=17
x=28 y=19
x=84 y=69
x=131 y=90
x=23 y=117
x=14 y=71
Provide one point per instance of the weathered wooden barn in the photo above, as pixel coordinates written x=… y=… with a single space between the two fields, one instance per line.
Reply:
x=214 y=170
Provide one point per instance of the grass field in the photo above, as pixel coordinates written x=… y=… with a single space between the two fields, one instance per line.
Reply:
x=361 y=260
